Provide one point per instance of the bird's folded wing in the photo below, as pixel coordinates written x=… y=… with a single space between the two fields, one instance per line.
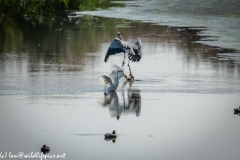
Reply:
x=106 y=80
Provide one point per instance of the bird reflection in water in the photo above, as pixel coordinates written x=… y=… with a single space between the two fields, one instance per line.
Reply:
x=130 y=105
x=133 y=102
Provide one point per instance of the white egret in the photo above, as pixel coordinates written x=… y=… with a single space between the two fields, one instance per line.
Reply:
x=112 y=81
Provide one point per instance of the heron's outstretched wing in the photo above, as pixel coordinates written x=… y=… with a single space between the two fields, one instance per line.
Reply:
x=137 y=56
x=137 y=49
x=106 y=80
x=117 y=46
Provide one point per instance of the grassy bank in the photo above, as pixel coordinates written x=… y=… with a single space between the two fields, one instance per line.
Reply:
x=45 y=12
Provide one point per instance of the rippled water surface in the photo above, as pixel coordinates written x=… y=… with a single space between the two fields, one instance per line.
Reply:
x=180 y=107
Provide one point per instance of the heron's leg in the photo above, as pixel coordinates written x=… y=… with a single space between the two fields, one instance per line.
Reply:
x=131 y=78
x=123 y=60
x=130 y=72
x=125 y=76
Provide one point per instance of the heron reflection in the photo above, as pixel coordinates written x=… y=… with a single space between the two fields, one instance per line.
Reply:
x=131 y=104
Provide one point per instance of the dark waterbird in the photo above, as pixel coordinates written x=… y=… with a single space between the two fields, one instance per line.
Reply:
x=134 y=51
x=237 y=111
x=45 y=149
x=111 y=136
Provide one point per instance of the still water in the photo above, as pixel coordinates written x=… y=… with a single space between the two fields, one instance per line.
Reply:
x=180 y=107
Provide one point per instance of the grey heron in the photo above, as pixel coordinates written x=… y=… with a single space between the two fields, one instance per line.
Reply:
x=112 y=81
x=134 y=51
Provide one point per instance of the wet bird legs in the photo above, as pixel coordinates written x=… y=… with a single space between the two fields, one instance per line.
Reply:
x=130 y=77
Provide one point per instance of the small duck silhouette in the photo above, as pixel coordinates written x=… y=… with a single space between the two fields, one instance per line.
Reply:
x=237 y=110
x=45 y=149
x=111 y=136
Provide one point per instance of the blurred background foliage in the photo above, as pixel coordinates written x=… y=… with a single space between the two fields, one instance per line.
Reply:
x=46 y=12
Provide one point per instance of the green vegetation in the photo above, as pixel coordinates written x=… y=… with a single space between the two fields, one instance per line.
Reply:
x=95 y=4
x=45 y=12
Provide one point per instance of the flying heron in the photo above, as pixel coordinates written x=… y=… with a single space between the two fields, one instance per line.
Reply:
x=112 y=81
x=134 y=51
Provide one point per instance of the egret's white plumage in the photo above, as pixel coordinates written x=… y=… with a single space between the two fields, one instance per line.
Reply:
x=112 y=81
x=114 y=69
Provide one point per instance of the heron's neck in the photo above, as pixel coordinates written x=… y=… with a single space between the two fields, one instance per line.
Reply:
x=120 y=37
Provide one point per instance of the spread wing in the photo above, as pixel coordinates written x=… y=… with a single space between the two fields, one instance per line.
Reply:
x=106 y=80
x=113 y=75
x=114 y=69
x=117 y=46
x=136 y=54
